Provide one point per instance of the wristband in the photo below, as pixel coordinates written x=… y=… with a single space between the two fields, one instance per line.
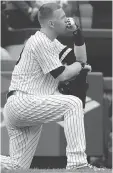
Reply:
x=78 y=37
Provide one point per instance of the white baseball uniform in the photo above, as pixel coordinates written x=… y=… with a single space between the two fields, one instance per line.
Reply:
x=38 y=101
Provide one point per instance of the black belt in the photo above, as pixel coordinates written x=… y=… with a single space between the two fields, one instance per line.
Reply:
x=10 y=93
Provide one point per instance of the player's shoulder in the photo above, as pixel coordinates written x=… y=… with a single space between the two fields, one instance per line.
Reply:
x=40 y=39
x=41 y=42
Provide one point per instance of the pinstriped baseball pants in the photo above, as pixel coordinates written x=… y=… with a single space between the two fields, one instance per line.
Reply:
x=25 y=116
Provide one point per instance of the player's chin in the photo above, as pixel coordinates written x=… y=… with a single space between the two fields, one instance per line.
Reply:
x=62 y=31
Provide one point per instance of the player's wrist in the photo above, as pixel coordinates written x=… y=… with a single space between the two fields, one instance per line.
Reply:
x=82 y=64
x=76 y=27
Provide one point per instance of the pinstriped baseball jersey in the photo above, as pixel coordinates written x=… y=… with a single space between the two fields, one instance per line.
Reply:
x=39 y=57
x=26 y=114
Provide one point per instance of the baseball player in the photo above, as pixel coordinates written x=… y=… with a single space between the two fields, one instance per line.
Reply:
x=34 y=98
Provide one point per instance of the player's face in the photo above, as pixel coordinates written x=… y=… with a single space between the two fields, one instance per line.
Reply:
x=60 y=21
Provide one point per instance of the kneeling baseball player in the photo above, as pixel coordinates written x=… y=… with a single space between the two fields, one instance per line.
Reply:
x=34 y=96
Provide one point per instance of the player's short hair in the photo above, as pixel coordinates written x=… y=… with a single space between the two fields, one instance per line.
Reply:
x=46 y=10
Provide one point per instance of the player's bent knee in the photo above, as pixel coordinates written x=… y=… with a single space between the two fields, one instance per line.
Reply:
x=79 y=101
x=74 y=102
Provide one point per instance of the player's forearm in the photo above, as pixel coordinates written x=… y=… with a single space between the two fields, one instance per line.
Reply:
x=79 y=46
x=70 y=71
x=80 y=53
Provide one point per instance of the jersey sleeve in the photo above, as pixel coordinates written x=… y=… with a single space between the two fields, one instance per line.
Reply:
x=63 y=49
x=48 y=58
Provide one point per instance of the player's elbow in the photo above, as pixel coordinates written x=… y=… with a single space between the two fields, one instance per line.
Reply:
x=70 y=71
x=65 y=75
x=62 y=77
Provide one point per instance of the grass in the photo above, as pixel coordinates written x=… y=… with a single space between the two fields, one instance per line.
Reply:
x=54 y=171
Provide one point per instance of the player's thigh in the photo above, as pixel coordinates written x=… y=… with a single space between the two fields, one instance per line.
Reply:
x=54 y=107
x=28 y=111
x=63 y=104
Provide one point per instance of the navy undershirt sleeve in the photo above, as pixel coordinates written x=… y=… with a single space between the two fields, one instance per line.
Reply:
x=55 y=73
x=70 y=58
